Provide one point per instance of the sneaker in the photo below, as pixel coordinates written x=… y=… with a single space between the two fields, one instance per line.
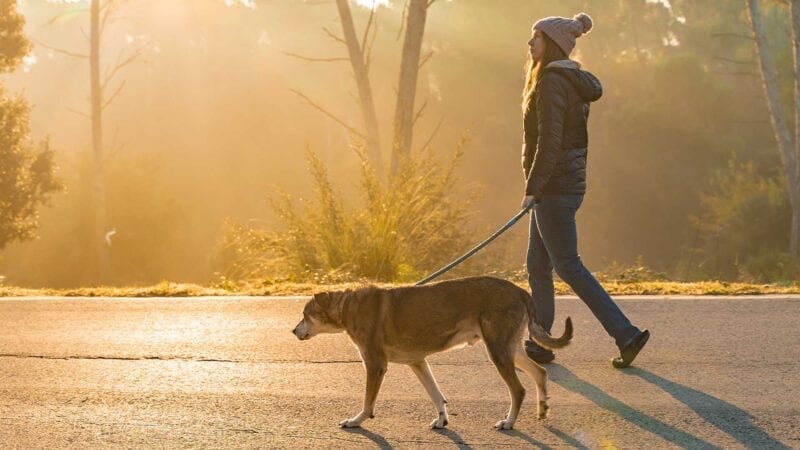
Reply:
x=629 y=351
x=539 y=354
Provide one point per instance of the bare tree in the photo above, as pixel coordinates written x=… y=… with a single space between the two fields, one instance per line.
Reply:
x=359 y=55
x=404 y=117
x=100 y=13
x=788 y=148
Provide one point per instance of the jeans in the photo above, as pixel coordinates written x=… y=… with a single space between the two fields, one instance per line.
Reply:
x=553 y=242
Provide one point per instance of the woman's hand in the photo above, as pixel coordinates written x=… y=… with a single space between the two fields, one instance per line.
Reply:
x=527 y=201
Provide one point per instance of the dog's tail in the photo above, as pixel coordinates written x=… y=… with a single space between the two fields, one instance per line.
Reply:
x=541 y=336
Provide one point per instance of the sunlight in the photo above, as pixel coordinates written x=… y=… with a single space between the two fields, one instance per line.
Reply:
x=373 y=4
x=247 y=3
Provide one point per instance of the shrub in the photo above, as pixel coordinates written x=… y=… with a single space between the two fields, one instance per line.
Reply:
x=400 y=230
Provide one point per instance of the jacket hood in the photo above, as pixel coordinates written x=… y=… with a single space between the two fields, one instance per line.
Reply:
x=587 y=85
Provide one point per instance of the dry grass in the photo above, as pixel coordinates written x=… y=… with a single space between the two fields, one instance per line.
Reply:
x=169 y=289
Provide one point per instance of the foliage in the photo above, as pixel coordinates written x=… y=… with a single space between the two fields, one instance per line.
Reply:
x=744 y=229
x=240 y=288
x=401 y=230
x=635 y=273
x=13 y=43
x=27 y=174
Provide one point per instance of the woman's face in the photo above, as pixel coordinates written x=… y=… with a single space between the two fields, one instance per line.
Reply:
x=536 y=44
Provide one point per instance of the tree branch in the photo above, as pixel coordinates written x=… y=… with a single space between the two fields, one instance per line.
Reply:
x=368 y=47
x=734 y=61
x=113 y=96
x=425 y=59
x=419 y=112
x=363 y=43
x=120 y=65
x=326 y=112
x=333 y=36
x=312 y=59
x=65 y=52
x=737 y=35
x=402 y=21
x=433 y=134
x=79 y=113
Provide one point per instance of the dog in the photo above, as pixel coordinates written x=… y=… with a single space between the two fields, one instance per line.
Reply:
x=406 y=324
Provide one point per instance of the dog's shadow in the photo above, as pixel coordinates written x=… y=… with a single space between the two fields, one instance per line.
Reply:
x=460 y=443
x=453 y=436
x=379 y=440
x=730 y=419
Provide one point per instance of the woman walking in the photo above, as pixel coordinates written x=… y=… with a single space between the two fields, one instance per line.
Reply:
x=555 y=112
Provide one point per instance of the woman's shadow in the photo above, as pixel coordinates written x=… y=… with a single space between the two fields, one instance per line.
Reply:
x=728 y=418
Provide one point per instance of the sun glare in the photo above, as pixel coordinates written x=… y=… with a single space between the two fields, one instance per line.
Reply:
x=372 y=4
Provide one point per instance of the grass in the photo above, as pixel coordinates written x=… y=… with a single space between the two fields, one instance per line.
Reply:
x=170 y=289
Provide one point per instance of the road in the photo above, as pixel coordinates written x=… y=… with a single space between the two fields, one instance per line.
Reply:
x=226 y=372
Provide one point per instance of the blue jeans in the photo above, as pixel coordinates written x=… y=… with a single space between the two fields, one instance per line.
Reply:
x=553 y=242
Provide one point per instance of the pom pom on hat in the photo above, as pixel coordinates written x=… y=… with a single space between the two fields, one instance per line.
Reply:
x=563 y=30
x=584 y=21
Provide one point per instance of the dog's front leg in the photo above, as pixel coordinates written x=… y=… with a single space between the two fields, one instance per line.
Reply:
x=423 y=371
x=376 y=369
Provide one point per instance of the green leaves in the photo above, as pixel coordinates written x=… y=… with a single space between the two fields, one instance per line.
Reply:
x=27 y=174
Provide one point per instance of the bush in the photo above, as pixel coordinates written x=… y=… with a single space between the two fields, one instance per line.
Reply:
x=400 y=230
x=636 y=273
x=744 y=231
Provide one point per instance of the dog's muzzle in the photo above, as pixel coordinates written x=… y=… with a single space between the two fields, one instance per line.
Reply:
x=300 y=335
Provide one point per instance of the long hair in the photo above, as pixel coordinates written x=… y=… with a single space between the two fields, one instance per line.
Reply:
x=534 y=69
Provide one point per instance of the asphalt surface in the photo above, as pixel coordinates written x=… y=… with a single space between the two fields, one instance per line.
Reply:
x=226 y=372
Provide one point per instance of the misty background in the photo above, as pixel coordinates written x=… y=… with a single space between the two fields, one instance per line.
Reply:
x=683 y=171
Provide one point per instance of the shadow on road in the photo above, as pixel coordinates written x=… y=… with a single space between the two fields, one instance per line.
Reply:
x=453 y=436
x=566 y=379
x=569 y=440
x=528 y=439
x=376 y=438
x=734 y=421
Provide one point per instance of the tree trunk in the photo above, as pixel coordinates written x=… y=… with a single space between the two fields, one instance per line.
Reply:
x=407 y=85
x=788 y=151
x=794 y=242
x=360 y=71
x=101 y=248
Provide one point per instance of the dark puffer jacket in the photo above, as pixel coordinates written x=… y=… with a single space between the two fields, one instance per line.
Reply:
x=556 y=141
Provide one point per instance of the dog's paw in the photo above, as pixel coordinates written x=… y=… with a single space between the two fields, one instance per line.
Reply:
x=350 y=423
x=439 y=423
x=504 y=424
x=543 y=409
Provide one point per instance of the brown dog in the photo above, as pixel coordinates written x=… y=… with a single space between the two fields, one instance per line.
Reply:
x=406 y=324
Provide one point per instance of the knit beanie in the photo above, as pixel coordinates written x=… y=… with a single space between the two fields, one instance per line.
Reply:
x=563 y=31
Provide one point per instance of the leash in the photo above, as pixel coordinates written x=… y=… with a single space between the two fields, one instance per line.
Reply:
x=463 y=257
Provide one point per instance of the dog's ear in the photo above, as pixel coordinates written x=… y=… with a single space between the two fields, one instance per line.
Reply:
x=323 y=300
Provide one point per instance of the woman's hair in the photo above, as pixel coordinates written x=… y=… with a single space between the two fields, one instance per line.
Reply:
x=534 y=69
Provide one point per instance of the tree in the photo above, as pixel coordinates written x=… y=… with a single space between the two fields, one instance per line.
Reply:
x=404 y=117
x=415 y=15
x=27 y=174
x=100 y=13
x=788 y=146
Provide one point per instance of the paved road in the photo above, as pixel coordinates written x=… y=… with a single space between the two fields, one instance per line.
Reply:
x=226 y=372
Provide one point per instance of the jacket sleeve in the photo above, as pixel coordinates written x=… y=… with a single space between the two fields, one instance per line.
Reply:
x=551 y=106
x=529 y=138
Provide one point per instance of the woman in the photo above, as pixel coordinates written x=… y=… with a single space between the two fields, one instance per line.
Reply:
x=555 y=112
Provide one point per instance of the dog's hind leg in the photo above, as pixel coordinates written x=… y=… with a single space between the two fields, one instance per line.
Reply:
x=539 y=376
x=500 y=346
x=376 y=369
x=423 y=371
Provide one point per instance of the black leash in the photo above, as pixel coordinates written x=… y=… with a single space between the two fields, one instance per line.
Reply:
x=463 y=257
